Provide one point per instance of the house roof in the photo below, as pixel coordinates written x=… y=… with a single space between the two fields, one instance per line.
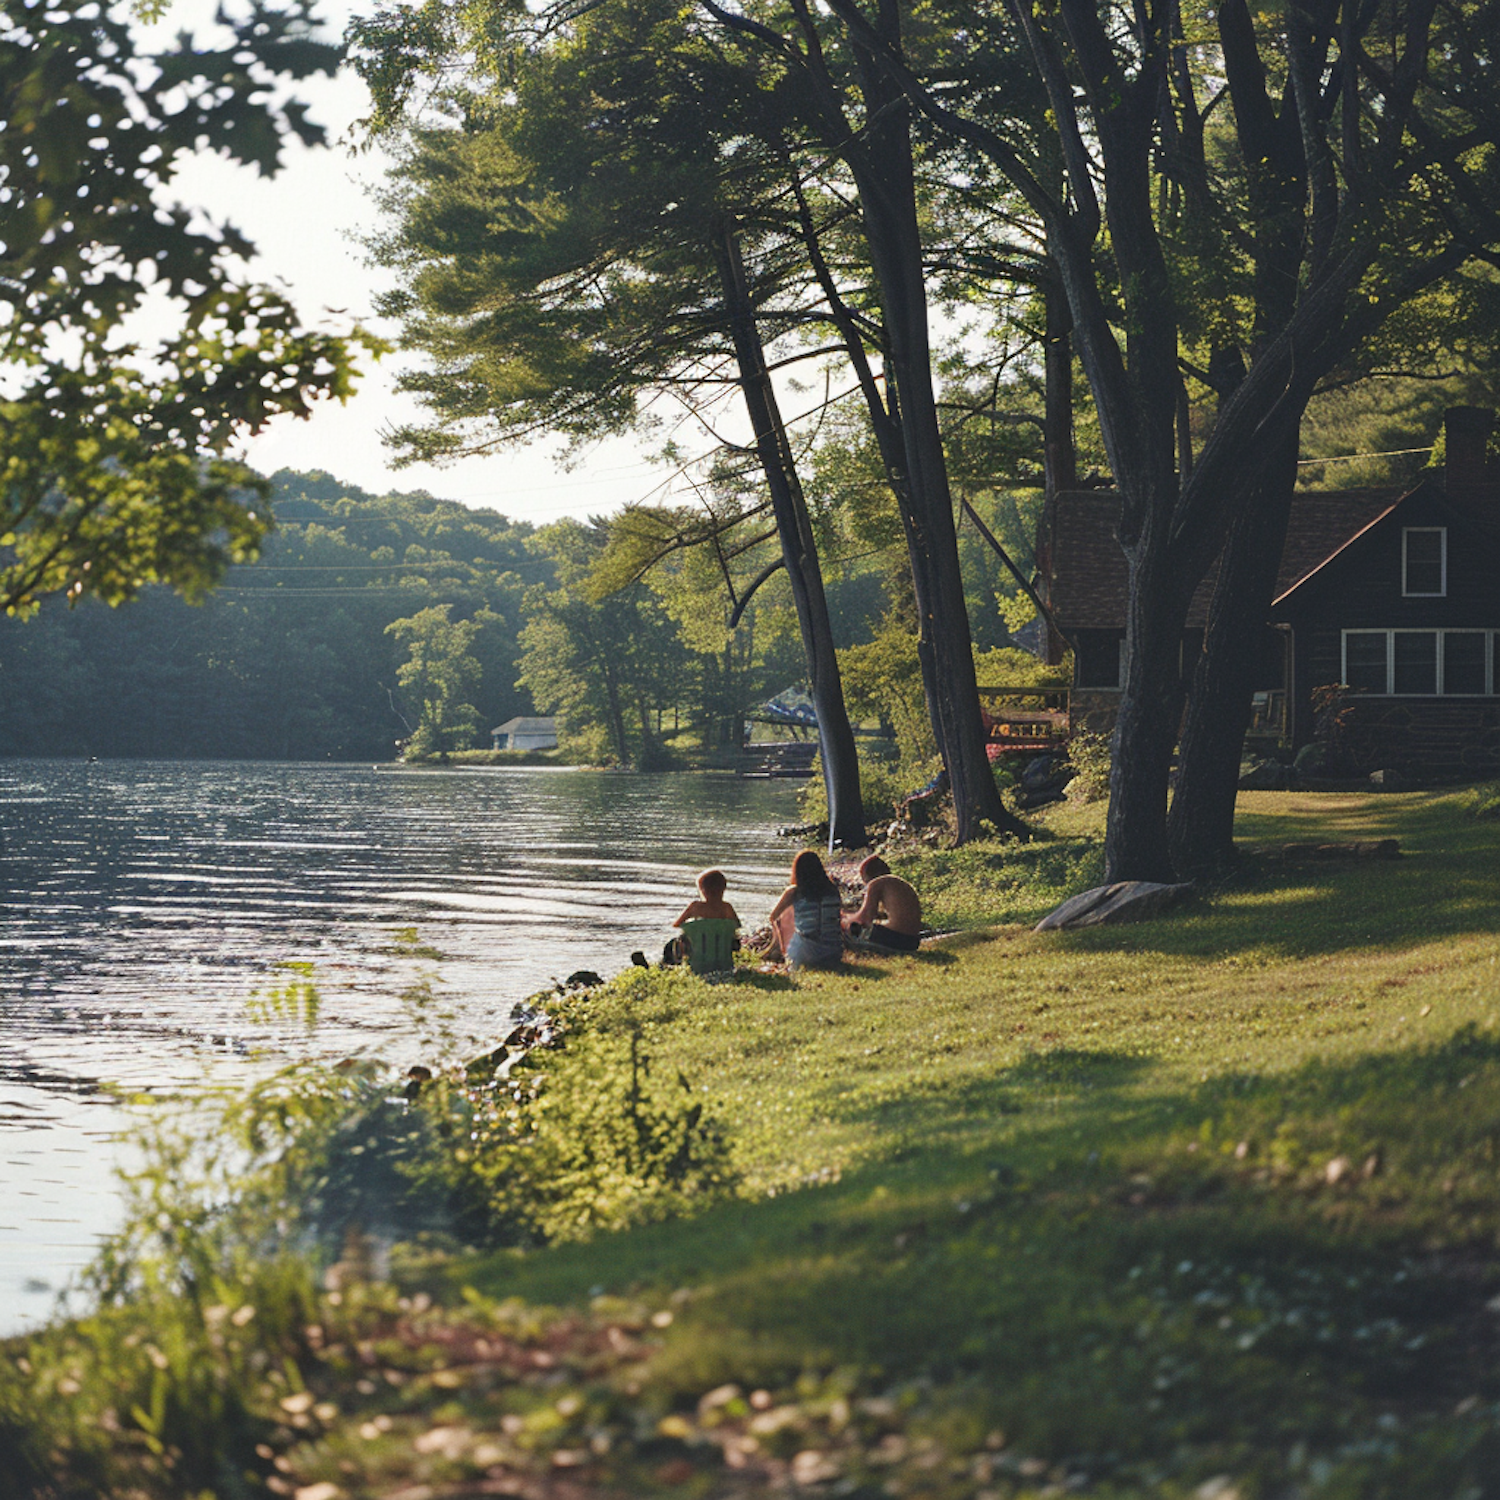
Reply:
x=526 y=726
x=1328 y=527
x=1090 y=582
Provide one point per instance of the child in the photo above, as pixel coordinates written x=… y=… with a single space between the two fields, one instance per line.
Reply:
x=891 y=916
x=806 y=921
x=711 y=884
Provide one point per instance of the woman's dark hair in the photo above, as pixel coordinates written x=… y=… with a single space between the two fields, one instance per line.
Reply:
x=809 y=876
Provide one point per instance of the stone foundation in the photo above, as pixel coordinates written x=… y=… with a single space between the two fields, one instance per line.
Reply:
x=1431 y=737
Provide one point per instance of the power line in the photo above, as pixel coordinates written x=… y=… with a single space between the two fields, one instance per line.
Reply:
x=446 y=562
x=363 y=593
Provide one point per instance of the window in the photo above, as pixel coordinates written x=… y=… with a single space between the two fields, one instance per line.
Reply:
x=1100 y=658
x=1365 y=667
x=1424 y=562
x=1421 y=663
x=1464 y=666
x=1415 y=662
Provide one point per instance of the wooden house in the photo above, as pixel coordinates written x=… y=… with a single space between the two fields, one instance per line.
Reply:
x=1394 y=593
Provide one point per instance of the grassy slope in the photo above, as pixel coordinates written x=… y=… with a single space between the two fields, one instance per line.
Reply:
x=1208 y=1205
x=1084 y=1180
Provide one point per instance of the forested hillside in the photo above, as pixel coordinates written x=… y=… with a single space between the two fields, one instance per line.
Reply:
x=290 y=658
x=294 y=656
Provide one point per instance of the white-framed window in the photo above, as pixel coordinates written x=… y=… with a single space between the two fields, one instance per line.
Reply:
x=1424 y=562
x=1421 y=663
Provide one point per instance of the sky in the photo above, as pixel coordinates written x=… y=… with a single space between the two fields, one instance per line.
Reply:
x=306 y=223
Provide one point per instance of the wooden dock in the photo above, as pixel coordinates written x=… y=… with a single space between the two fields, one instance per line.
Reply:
x=777 y=760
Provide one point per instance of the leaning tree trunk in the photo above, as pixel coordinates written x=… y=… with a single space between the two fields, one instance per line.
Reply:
x=1200 y=825
x=888 y=208
x=840 y=758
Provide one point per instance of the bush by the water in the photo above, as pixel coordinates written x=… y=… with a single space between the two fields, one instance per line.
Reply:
x=575 y=1139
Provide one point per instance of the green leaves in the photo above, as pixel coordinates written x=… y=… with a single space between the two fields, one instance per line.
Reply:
x=438 y=673
x=113 y=471
x=95 y=131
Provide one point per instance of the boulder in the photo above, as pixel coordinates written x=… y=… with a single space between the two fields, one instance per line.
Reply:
x=1389 y=781
x=1266 y=776
x=1124 y=901
x=1311 y=760
x=1044 y=772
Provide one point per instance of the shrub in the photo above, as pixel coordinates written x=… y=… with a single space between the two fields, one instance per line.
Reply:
x=1011 y=667
x=1333 y=713
x=881 y=786
x=1088 y=754
x=575 y=1141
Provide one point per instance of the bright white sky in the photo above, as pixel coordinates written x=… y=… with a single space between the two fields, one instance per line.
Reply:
x=305 y=223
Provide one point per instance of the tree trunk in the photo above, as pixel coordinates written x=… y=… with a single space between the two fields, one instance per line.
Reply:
x=1201 y=822
x=838 y=754
x=649 y=759
x=1059 y=456
x=1135 y=839
x=888 y=208
x=615 y=715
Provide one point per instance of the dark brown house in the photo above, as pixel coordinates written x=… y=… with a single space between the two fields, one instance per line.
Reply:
x=1395 y=593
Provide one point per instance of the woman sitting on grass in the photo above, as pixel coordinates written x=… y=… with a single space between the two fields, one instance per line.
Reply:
x=806 y=923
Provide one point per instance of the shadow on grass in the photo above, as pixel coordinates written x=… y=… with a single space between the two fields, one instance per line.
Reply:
x=1446 y=885
x=1225 y=1275
x=753 y=979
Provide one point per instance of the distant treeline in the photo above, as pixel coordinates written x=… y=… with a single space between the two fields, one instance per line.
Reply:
x=290 y=658
x=294 y=657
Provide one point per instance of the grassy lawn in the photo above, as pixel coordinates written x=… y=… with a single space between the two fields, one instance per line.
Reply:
x=1207 y=1206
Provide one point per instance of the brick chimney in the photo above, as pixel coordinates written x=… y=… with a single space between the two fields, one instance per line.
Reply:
x=1466 y=432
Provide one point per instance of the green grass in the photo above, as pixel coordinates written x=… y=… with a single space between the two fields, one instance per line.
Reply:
x=1205 y=1206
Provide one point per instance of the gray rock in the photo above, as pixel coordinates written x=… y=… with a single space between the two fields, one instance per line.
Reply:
x=1389 y=781
x=1125 y=901
x=1266 y=776
x=1311 y=759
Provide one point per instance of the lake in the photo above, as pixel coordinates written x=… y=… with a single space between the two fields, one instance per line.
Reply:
x=145 y=903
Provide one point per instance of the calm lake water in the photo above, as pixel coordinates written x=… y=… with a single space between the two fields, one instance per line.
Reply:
x=142 y=904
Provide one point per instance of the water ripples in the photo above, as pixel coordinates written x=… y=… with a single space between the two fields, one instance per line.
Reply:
x=142 y=904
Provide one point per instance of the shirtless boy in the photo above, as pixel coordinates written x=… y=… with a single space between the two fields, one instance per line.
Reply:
x=711 y=885
x=890 y=916
x=711 y=903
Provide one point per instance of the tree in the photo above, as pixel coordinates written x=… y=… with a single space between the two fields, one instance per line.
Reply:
x=594 y=285
x=1245 y=198
x=717 y=569
x=114 y=456
x=439 y=673
x=701 y=138
x=854 y=108
x=599 y=662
